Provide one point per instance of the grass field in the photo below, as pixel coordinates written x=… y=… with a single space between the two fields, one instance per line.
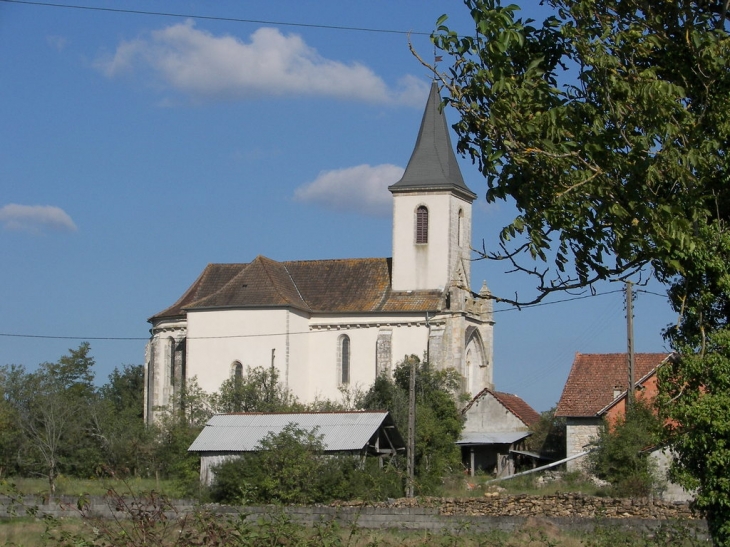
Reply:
x=92 y=487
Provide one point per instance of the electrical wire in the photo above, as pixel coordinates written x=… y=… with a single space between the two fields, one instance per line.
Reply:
x=217 y=18
x=128 y=338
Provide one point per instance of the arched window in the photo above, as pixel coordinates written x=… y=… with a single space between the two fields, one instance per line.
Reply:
x=237 y=371
x=460 y=228
x=343 y=360
x=422 y=224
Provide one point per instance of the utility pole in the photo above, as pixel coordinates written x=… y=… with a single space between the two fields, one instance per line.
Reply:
x=411 y=428
x=630 y=344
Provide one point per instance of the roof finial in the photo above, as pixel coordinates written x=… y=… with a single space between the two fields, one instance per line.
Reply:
x=436 y=60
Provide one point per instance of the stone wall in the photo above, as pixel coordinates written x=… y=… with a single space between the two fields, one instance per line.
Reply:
x=568 y=512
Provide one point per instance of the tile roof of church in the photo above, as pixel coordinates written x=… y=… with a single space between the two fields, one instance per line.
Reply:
x=594 y=377
x=433 y=165
x=357 y=285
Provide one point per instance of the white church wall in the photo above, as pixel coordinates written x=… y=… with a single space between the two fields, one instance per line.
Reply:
x=219 y=338
x=407 y=335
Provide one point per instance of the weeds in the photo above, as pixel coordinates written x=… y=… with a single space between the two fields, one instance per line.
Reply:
x=153 y=520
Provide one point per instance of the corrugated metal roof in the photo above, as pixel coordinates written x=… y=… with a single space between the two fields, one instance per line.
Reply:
x=341 y=431
x=498 y=437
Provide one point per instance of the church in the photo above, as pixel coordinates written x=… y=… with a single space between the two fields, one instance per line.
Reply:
x=325 y=324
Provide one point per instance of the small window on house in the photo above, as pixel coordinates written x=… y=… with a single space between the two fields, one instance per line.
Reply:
x=422 y=225
x=344 y=360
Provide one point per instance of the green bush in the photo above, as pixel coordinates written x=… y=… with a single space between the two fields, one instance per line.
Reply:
x=291 y=468
x=622 y=453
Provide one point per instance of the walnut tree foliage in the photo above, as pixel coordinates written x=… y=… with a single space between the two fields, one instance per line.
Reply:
x=608 y=126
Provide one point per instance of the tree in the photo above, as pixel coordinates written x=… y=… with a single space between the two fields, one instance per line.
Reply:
x=608 y=125
x=548 y=436
x=259 y=390
x=11 y=438
x=438 y=420
x=51 y=405
x=695 y=398
x=621 y=454
x=177 y=427
x=118 y=421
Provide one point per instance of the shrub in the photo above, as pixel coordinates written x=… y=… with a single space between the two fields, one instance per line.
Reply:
x=622 y=452
x=291 y=468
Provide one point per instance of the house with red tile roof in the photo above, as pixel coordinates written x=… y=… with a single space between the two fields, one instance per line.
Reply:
x=596 y=390
x=325 y=324
x=496 y=425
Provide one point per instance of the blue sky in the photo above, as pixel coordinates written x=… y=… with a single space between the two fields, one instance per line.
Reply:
x=135 y=149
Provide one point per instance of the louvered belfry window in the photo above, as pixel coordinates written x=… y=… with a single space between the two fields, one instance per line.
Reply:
x=422 y=225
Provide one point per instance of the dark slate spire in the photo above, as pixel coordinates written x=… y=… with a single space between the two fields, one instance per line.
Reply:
x=433 y=164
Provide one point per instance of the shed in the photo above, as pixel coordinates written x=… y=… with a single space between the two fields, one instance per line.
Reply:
x=496 y=424
x=365 y=433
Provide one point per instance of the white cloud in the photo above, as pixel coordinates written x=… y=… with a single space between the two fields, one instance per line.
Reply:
x=362 y=189
x=270 y=63
x=57 y=42
x=35 y=218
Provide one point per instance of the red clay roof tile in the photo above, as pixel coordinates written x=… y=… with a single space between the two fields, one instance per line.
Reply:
x=594 y=377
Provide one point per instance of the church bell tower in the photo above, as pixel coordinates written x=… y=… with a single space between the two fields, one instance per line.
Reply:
x=431 y=210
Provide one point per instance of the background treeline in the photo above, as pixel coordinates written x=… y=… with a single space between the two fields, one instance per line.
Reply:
x=55 y=420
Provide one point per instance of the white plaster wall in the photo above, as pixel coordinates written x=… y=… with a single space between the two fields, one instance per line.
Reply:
x=218 y=338
x=428 y=266
x=488 y=414
x=322 y=379
x=305 y=348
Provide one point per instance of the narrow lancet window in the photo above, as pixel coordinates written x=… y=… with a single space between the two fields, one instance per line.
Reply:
x=344 y=355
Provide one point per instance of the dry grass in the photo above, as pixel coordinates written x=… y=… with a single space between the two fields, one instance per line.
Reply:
x=463 y=486
x=92 y=487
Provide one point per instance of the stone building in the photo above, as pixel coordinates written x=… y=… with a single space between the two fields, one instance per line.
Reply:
x=328 y=323
x=496 y=425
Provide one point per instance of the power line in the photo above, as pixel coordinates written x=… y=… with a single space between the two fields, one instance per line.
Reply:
x=652 y=293
x=47 y=337
x=514 y=308
x=137 y=338
x=216 y=18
